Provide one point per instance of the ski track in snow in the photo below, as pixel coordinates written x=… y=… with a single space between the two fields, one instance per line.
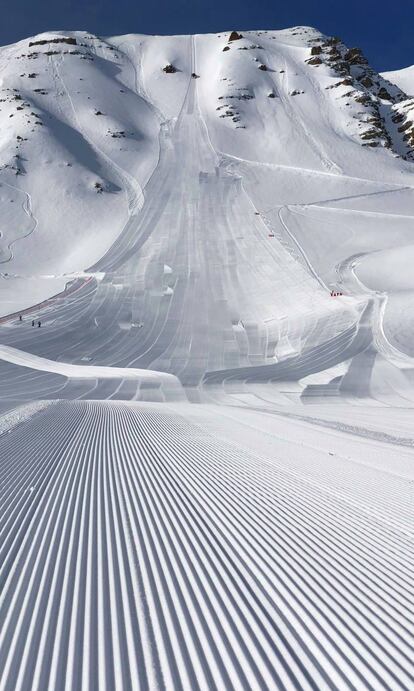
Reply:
x=139 y=551
x=27 y=208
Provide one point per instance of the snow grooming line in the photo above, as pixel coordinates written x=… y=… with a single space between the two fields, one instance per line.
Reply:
x=188 y=525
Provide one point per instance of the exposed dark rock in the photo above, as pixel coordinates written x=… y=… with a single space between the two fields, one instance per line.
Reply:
x=364 y=99
x=406 y=126
x=235 y=36
x=272 y=95
x=314 y=61
x=195 y=76
x=370 y=134
x=263 y=68
x=61 y=39
x=383 y=94
x=343 y=68
x=32 y=75
x=366 y=81
x=333 y=56
x=169 y=69
x=226 y=48
x=355 y=57
x=316 y=50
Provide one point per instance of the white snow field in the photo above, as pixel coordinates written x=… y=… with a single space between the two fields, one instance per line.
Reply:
x=206 y=364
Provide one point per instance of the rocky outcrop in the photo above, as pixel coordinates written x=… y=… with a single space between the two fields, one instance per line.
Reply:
x=314 y=61
x=366 y=81
x=61 y=39
x=383 y=94
x=355 y=56
x=403 y=118
x=316 y=50
x=369 y=89
x=235 y=36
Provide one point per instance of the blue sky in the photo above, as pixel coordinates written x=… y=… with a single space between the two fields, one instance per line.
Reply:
x=384 y=35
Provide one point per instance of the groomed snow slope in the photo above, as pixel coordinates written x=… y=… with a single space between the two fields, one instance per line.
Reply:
x=146 y=548
x=177 y=234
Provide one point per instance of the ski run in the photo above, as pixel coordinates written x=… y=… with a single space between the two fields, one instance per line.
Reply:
x=206 y=364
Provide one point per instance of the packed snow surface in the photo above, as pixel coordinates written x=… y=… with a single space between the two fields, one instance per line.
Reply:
x=206 y=249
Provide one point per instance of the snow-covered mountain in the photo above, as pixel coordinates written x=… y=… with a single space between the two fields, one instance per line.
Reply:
x=323 y=145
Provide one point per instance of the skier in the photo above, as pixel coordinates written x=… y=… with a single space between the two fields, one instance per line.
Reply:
x=32 y=322
x=39 y=324
x=20 y=318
